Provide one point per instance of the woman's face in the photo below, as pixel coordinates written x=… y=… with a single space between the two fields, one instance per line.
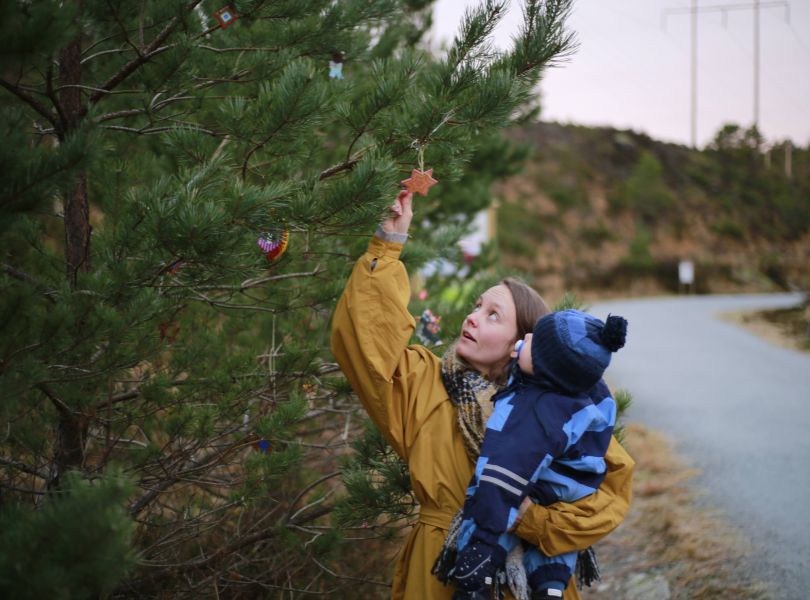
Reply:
x=489 y=331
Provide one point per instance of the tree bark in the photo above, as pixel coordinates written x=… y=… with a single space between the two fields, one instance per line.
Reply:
x=76 y=205
x=71 y=428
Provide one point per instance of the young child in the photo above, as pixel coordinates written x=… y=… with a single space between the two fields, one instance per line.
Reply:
x=546 y=439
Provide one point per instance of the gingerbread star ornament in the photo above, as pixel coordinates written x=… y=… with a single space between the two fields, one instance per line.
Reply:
x=420 y=181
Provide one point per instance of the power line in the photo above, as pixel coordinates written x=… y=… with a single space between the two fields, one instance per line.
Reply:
x=693 y=12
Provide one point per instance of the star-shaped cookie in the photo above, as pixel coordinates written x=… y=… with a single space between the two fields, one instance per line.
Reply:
x=420 y=181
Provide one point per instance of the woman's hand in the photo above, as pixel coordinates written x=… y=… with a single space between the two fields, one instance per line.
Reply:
x=524 y=506
x=401 y=214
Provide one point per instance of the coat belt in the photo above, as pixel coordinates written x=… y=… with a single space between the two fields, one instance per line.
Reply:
x=436 y=517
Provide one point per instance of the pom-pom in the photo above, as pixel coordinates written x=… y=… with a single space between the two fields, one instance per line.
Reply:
x=614 y=332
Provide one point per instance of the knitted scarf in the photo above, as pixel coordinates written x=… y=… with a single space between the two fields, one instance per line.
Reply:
x=471 y=393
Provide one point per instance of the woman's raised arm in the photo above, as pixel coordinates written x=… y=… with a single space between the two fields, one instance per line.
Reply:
x=371 y=329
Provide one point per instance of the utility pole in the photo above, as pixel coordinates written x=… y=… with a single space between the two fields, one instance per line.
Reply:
x=756 y=64
x=724 y=9
x=693 y=34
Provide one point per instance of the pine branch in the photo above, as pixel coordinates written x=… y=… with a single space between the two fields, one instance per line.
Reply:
x=279 y=126
x=122 y=114
x=239 y=49
x=104 y=53
x=213 y=458
x=348 y=578
x=339 y=168
x=90 y=88
x=60 y=405
x=152 y=50
x=30 y=101
x=302 y=493
x=50 y=294
x=20 y=466
x=219 y=304
x=146 y=130
x=315 y=514
x=252 y=283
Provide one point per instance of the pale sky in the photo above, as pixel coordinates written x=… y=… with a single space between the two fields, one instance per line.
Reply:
x=632 y=69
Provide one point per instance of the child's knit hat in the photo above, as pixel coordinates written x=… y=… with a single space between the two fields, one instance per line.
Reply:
x=571 y=349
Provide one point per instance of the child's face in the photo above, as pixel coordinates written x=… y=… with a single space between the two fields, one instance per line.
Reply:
x=524 y=354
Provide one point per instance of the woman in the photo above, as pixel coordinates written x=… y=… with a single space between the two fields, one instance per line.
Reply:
x=432 y=410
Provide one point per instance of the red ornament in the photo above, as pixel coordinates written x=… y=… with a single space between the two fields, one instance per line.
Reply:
x=273 y=245
x=226 y=15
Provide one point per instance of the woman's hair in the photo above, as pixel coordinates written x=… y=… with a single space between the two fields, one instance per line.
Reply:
x=529 y=308
x=529 y=305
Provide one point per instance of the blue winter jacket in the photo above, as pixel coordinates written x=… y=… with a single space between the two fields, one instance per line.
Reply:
x=542 y=444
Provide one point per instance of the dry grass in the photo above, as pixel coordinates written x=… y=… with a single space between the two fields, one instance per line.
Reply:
x=666 y=536
x=787 y=327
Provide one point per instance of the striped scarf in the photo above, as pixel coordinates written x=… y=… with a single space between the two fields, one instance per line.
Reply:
x=471 y=393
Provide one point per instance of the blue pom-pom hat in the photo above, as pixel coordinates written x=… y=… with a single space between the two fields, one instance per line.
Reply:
x=571 y=349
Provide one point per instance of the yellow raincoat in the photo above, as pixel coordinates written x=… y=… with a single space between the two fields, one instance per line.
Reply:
x=401 y=388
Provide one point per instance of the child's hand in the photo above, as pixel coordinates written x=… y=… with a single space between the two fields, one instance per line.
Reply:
x=401 y=214
x=475 y=566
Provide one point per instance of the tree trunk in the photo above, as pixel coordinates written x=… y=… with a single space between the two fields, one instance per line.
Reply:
x=70 y=434
x=72 y=427
x=76 y=206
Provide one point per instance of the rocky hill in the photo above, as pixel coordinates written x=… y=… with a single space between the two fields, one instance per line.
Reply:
x=612 y=211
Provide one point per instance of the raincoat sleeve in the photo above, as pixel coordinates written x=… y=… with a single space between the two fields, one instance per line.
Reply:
x=371 y=329
x=564 y=527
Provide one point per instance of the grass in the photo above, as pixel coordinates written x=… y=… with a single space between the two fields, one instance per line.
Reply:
x=786 y=327
x=790 y=322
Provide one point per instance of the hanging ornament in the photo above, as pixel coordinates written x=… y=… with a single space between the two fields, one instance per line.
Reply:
x=176 y=266
x=226 y=15
x=310 y=393
x=420 y=180
x=171 y=267
x=262 y=446
x=273 y=244
x=336 y=66
x=428 y=330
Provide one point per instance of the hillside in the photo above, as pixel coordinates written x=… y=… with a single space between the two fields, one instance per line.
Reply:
x=598 y=210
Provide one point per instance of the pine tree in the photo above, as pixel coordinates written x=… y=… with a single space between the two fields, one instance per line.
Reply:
x=158 y=372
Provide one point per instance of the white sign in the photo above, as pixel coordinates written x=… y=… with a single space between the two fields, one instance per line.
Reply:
x=686 y=272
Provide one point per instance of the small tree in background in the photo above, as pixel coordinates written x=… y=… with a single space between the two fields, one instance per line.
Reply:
x=158 y=373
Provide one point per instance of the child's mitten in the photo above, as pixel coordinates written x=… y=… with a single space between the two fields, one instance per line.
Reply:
x=476 y=565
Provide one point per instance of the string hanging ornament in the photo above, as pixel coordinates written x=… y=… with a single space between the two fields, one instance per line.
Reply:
x=420 y=180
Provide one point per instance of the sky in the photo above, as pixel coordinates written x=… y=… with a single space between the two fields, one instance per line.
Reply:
x=632 y=68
